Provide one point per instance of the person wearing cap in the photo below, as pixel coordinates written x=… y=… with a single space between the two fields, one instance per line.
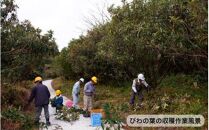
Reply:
x=41 y=95
x=76 y=92
x=89 y=91
x=137 y=87
x=58 y=100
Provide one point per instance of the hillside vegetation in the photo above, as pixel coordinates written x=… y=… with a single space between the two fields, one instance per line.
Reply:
x=166 y=40
x=24 y=53
x=155 y=37
x=177 y=94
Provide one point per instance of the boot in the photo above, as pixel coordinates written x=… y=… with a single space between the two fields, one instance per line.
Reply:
x=48 y=122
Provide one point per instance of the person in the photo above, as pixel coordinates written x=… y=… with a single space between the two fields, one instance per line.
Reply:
x=137 y=87
x=58 y=100
x=41 y=95
x=76 y=92
x=89 y=92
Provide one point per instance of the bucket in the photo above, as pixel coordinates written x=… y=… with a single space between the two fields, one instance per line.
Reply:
x=98 y=111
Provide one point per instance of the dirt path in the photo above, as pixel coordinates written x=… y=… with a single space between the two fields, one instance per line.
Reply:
x=81 y=124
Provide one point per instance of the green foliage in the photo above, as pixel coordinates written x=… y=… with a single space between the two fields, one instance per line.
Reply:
x=14 y=95
x=177 y=94
x=196 y=107
x=112 y=118
x=69 y=115
x=24 y=50
x=61 y=64
x=14 y=115
x=65 y=86
x=156 y=37
x=185 y=84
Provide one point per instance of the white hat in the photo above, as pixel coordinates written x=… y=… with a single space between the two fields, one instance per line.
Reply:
x=82 y=79
x=141 y=76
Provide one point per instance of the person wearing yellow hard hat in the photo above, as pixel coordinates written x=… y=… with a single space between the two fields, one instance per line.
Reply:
x=89 y=91
x=58 y=100
x=38 y=79
x=41 y=95
x=58 y=92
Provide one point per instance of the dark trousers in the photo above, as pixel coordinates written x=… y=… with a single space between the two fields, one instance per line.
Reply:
x=59 y=107
x=38 y=112
x=138 y=94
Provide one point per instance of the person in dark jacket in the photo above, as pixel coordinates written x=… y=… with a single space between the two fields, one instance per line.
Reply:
x=41 y=95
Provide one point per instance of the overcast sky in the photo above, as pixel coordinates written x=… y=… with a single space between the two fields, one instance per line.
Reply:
x=67 y=18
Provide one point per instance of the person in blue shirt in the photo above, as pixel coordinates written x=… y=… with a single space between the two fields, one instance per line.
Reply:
x=76 y=92
x=89 y=91
x=58 y=100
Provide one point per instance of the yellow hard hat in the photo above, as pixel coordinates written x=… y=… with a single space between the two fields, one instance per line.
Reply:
x=57 y=92
x=94 y=79
x=38 y=79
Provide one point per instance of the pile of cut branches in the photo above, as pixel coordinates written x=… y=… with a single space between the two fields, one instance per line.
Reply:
x=67 y=114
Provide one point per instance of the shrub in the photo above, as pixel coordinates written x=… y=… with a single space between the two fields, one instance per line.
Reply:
x=13 y=117
x=69 y=115
x=156 y=37
x=14 y=95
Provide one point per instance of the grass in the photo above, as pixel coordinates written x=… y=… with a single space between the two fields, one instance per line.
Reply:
x=177 y=94
x=65 y=86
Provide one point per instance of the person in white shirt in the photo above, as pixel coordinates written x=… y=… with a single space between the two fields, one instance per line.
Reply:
x=76 y=92
x=138 y=84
